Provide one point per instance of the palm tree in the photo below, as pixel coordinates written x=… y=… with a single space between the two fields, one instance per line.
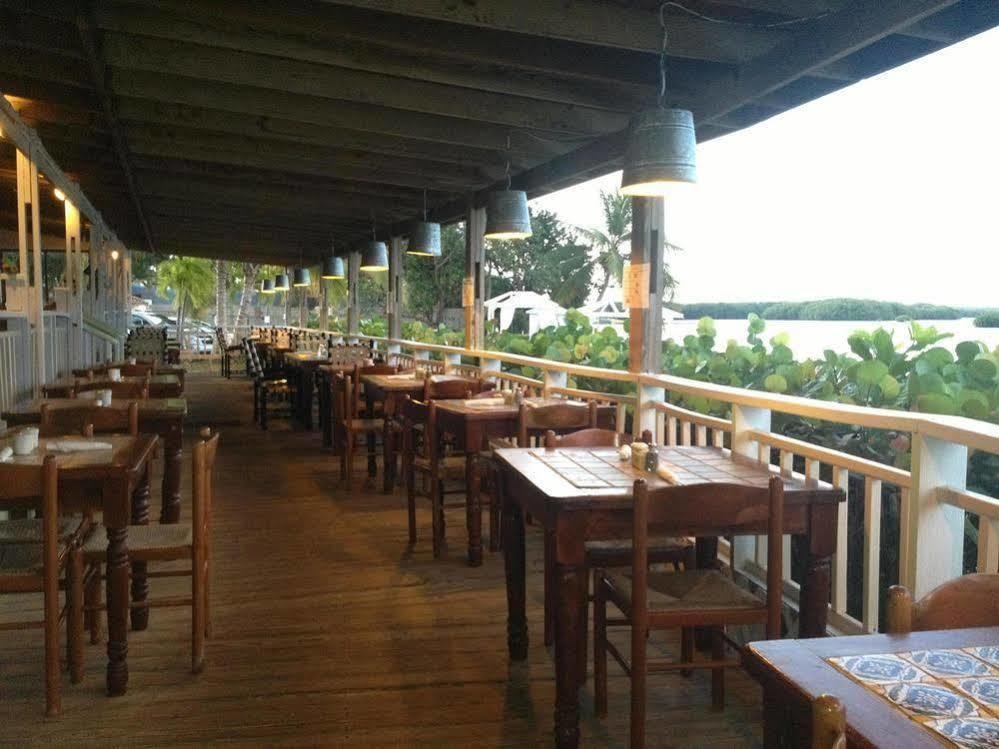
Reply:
x=192 y=281
x=608 y=242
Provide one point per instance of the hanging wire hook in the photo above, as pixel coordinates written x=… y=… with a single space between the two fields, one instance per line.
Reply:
x=424 y=205
x=508 y=178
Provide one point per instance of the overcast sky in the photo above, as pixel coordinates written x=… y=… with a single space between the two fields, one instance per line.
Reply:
x=887 y=189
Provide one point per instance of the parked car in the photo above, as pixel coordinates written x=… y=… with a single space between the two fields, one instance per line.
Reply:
x=200 y=336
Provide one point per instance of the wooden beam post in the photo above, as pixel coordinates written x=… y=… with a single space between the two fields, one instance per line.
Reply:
x=353 y=304
x=474 y=288
x=324 y=306
x=30 y=234
x=393 y=301
x=644 y=292
x=74 y=279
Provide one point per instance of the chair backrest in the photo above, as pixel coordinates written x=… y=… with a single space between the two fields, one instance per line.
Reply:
x=29 y=483
x=90 y=419
x=343 y=397
x=203 y=483
x=139 y=369
x=828 y=723
x=452 y=386
x=587 y=438
x=561 y=418
x=741 y=505
x=966 y=601
x=130 y=390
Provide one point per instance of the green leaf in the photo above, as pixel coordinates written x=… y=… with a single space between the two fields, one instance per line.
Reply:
x=756 y=324
x=871 y=372
x=967 y=351
x=706 y=327
x=559 y=352
x=983 y=368
x=973 y=403
x=935 y=403
x=890 y=387
x=782 y=354
x=883 y=345
x=775 y=383
x=781 y=339
x=860 y=343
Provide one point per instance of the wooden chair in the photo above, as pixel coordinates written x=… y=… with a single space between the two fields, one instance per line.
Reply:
x=443 y=387
x=269 y=386
x=429 y=458
x=828 y=723
x=534 y=421
x=139 y=369
x=675 y=551
x=692 y=598
x=967 y=601
x=90 y=419
x=161 y=542
x=34 y=566
x=348 y=421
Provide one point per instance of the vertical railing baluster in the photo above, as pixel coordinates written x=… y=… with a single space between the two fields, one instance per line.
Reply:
x=872 y=553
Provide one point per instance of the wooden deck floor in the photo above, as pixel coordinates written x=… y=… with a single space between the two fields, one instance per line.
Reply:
x=331 y=631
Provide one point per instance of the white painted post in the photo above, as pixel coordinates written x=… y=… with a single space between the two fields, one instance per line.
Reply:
x=554 y=378
x=934 y=548
x=452 y=360
x=872 y=554
x=744 y=419
x=393 y=306
x=645 y=413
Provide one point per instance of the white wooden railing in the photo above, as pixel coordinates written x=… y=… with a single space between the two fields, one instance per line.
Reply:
x=933 y=497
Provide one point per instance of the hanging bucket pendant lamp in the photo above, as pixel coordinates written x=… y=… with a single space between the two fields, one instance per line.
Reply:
x=301 y=276
x=424 y=236
x=374 y=256
x=332 y=266
x=662 y=143
x=267 y=286
x=281 y=282
x=507 y=215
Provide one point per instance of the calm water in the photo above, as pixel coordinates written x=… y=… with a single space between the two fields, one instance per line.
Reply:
x=809 y=338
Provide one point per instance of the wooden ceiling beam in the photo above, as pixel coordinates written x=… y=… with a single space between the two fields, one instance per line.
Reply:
x=372 y=55
x=139 y=111
x=323 y=221
x=246 y=69
x=95 y=59
x=261 y=102
x=591 y=22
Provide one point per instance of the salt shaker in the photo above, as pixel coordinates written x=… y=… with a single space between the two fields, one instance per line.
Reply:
x=652 y=459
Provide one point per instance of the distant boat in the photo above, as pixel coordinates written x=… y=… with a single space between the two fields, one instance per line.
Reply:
x=610 y=311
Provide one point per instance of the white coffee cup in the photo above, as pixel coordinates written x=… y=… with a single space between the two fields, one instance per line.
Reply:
x=105 y=396
x=131 y=361
x=33 y=432
x=23 y=443
x=114 y=375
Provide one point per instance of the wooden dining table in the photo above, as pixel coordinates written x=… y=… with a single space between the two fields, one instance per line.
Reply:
x=324 y=375
x=163 y=369
x=390 y=390
x=160 y=385
x=301 y=367
x=872 y=688
x=116 y=483
x=160 y=416
x=474 y=422
x=592 y=500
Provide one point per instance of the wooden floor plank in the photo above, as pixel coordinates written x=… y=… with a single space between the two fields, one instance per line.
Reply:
x=331 y=631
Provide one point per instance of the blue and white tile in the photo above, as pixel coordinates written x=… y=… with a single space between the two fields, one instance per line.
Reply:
x=930 y=700
x=968 y=733
x=879 y=669
x=948 y=664
x=983 y=689
x=988 y=653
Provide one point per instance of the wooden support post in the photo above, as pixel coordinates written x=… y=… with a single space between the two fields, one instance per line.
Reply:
x=647 y=243
x=474 y=289
x=74 y=279
x=393 y=306
x=324 y=306
x=353 y=304
x=30 y=234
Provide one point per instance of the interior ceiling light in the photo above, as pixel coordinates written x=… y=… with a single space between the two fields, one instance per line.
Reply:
x=374 y=256
x=424 y=236
x=332 y=266
x=267 y=286
x=281 y=282
x=507 y=215
x=301 y=276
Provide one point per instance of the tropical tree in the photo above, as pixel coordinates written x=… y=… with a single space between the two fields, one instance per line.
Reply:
x=432 y=284
x=192 y=281
x=609 y=241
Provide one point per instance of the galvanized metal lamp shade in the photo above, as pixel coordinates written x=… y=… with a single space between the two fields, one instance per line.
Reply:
x=507 y=216
x=301 y=277
x=267 y=286
x=374 y=257
x=661 y=153
x=281 y=282
x=424 y=239
x=332 y=268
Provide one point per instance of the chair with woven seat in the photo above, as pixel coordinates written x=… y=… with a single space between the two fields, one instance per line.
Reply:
x=34 y=567
x=444 y=387
x=268 y=385
x=691 y=598
x=349 y=423
x=678 y=552
x=161 y=542
x=966 y=601
x=445 y=473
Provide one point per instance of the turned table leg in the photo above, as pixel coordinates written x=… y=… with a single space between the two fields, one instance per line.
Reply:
x=117 y=610
x=570 y=599
x=140 y=583
x=473 y=509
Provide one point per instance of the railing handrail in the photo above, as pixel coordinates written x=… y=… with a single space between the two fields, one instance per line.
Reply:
x=976 y=434
x=101 y=330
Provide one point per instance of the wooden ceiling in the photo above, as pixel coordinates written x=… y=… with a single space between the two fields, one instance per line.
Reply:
x=262 y=130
